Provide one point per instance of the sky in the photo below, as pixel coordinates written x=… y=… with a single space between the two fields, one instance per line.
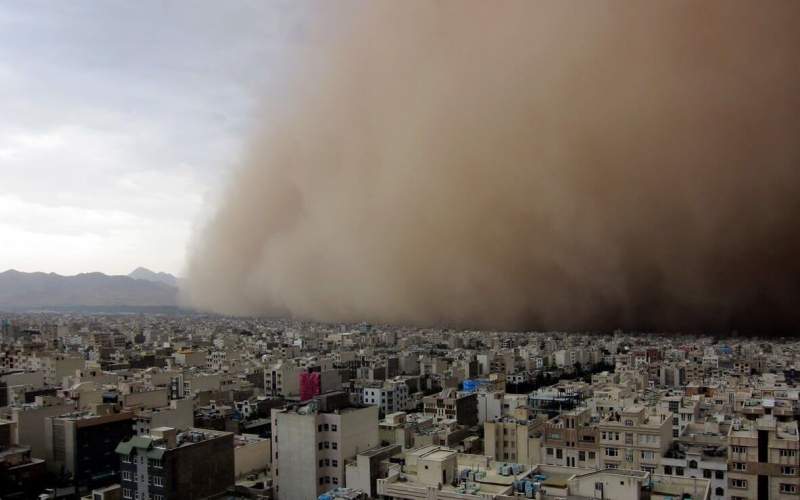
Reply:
x=120 y=122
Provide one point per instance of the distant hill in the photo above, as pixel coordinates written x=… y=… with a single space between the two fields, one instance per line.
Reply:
x=142 y=273
x=20 y=290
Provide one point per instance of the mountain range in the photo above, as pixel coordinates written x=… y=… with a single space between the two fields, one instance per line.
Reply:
x=142 y=273
x=40 y=291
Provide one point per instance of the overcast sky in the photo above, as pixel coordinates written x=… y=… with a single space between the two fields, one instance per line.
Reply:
x=120 y=121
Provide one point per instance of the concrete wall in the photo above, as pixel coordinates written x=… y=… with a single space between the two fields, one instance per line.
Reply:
x=30 y=429
x=251 y=456
x=148 y=399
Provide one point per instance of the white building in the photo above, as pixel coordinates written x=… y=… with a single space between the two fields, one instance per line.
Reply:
x=310 y=444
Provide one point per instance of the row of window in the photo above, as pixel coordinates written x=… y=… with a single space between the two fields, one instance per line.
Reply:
x=152 y=462
x=582 y=455
x=151 y=479
x=128 y=494
x=783 y=452
x=329 y=480
x=328 y=445
x=707 y=473
x=327 y=462
x=326 y=428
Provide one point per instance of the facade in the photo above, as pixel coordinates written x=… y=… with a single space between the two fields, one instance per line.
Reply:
x=80 y=446
x=570 y=440
x=763 y=460
x=311 y=442
x=390 y=397
x=634 y=439
x=166 y=465
x=450 y=404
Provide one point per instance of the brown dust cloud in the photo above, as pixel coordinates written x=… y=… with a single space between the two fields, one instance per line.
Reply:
x=522 y=165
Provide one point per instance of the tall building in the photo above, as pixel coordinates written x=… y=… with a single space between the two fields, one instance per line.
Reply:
x=515 y=438
x=632 y=439
x=166 y=465
x=389 y=396
x=450 y=404
x=763 y=460
x=81 y=445
x=311 y=442
x=570 y=439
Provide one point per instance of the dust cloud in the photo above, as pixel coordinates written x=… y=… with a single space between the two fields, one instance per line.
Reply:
x=522 y=165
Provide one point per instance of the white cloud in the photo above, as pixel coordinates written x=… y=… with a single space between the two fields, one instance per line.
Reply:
x=120 y=121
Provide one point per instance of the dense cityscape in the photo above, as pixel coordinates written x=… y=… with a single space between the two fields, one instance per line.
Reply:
x=136 y=406
x=399 y=250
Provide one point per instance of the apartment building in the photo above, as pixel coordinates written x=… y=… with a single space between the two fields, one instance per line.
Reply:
x=514 y=438
x=451 y=404
x=172 y=465
x=763 y=460
x=282 y=379
x=571 y=440
x=82 y=445
x=311 y=442
x=634 y=439
x=390 y=396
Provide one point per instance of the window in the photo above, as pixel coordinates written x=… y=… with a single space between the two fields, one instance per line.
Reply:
x=788 y=453
x=155 y=462
x=127 y=475
x=559 y=453
x=678 y=471
x=707 y=473
x=739 y=483
x=692 y=464
x=592 y=455
x=550 y=451
x=327 y=445
x=335 y=463
x=739 y=466
x=720 y=491
x=334 y=445
x=738 y=449
x=125 y=459
x=719 y=474
x=327 y=479
x=158 y=481
x=319 y=428
x=127 y=493
x=628 y=423
x=648 y=455
x=612 y=452
x=668 y=470
x=319 y=445
x=321 y=462
x=788 y=488
x=582 y=456
x=333 y=427
x=327 y=462
x=788 y=471
x=335 y=480
x=321 y=480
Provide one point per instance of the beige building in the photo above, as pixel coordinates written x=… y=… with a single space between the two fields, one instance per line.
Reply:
x=571 y=440
x=634 y=439
x=311 y=442
x=515 y=439
x=763 y=460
